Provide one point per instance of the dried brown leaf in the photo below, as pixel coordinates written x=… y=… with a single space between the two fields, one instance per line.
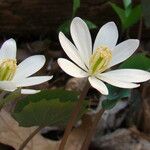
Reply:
x=13 y=135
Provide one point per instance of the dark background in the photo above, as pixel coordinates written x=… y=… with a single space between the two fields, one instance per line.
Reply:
x=41 y=18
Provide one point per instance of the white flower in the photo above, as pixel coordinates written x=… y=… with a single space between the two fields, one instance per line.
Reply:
x=13 y=76
x=92 y=62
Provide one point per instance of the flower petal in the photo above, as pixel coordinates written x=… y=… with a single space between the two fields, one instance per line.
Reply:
x=99 y=85
x=32 y=81
x=71 y=69
x=82 y=38
x=71 y=51
x=123 y=51
x=8 y=86
x=29 y=91
x=107 y=36
x=128 y=75
x=8 y=49
x=117 y=83
x=29 y=66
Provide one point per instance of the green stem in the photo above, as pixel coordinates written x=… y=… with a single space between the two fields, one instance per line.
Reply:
x=2 y=94
x=11 y=97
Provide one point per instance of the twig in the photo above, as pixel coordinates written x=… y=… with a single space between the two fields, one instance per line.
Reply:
x=74 y=116
x=140 y=29
x=24 y=144
x=90 y=134
x=139 y=36
x=128 y=33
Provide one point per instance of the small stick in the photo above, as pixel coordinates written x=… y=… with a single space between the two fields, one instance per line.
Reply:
x=90 y=134
x=24 y=144
x=140 y=29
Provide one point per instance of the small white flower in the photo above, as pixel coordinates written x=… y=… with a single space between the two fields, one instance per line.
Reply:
x=92 y=62
x=13 y=76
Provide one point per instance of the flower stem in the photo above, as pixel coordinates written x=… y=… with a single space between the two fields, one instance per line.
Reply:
x=90 y=134
x=24 y=144
x=74 y=115
x=11 y=97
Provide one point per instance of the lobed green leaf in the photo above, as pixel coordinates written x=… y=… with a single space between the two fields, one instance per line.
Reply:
x=47 y=108
x=138 y=61
x=117 y=93
x=109 y=104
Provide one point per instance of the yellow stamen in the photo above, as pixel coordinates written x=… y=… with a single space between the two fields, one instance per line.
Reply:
x=100 y=60
x=7 y=69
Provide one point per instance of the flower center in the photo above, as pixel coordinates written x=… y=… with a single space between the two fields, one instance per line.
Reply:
x=7 y=69
x=100 y=60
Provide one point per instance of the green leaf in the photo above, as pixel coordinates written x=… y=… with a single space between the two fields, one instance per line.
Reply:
x=90 y=24
x=128 y=16
x=134 y=16
x=146 y=12
x=49 y=107
x=76 y=5
x=127 y=3
x=65 y=27
x=138 y=61
x=119 y=11
x=128 y=7
x=117 y=93
x=109 y=104
x=135 y=103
